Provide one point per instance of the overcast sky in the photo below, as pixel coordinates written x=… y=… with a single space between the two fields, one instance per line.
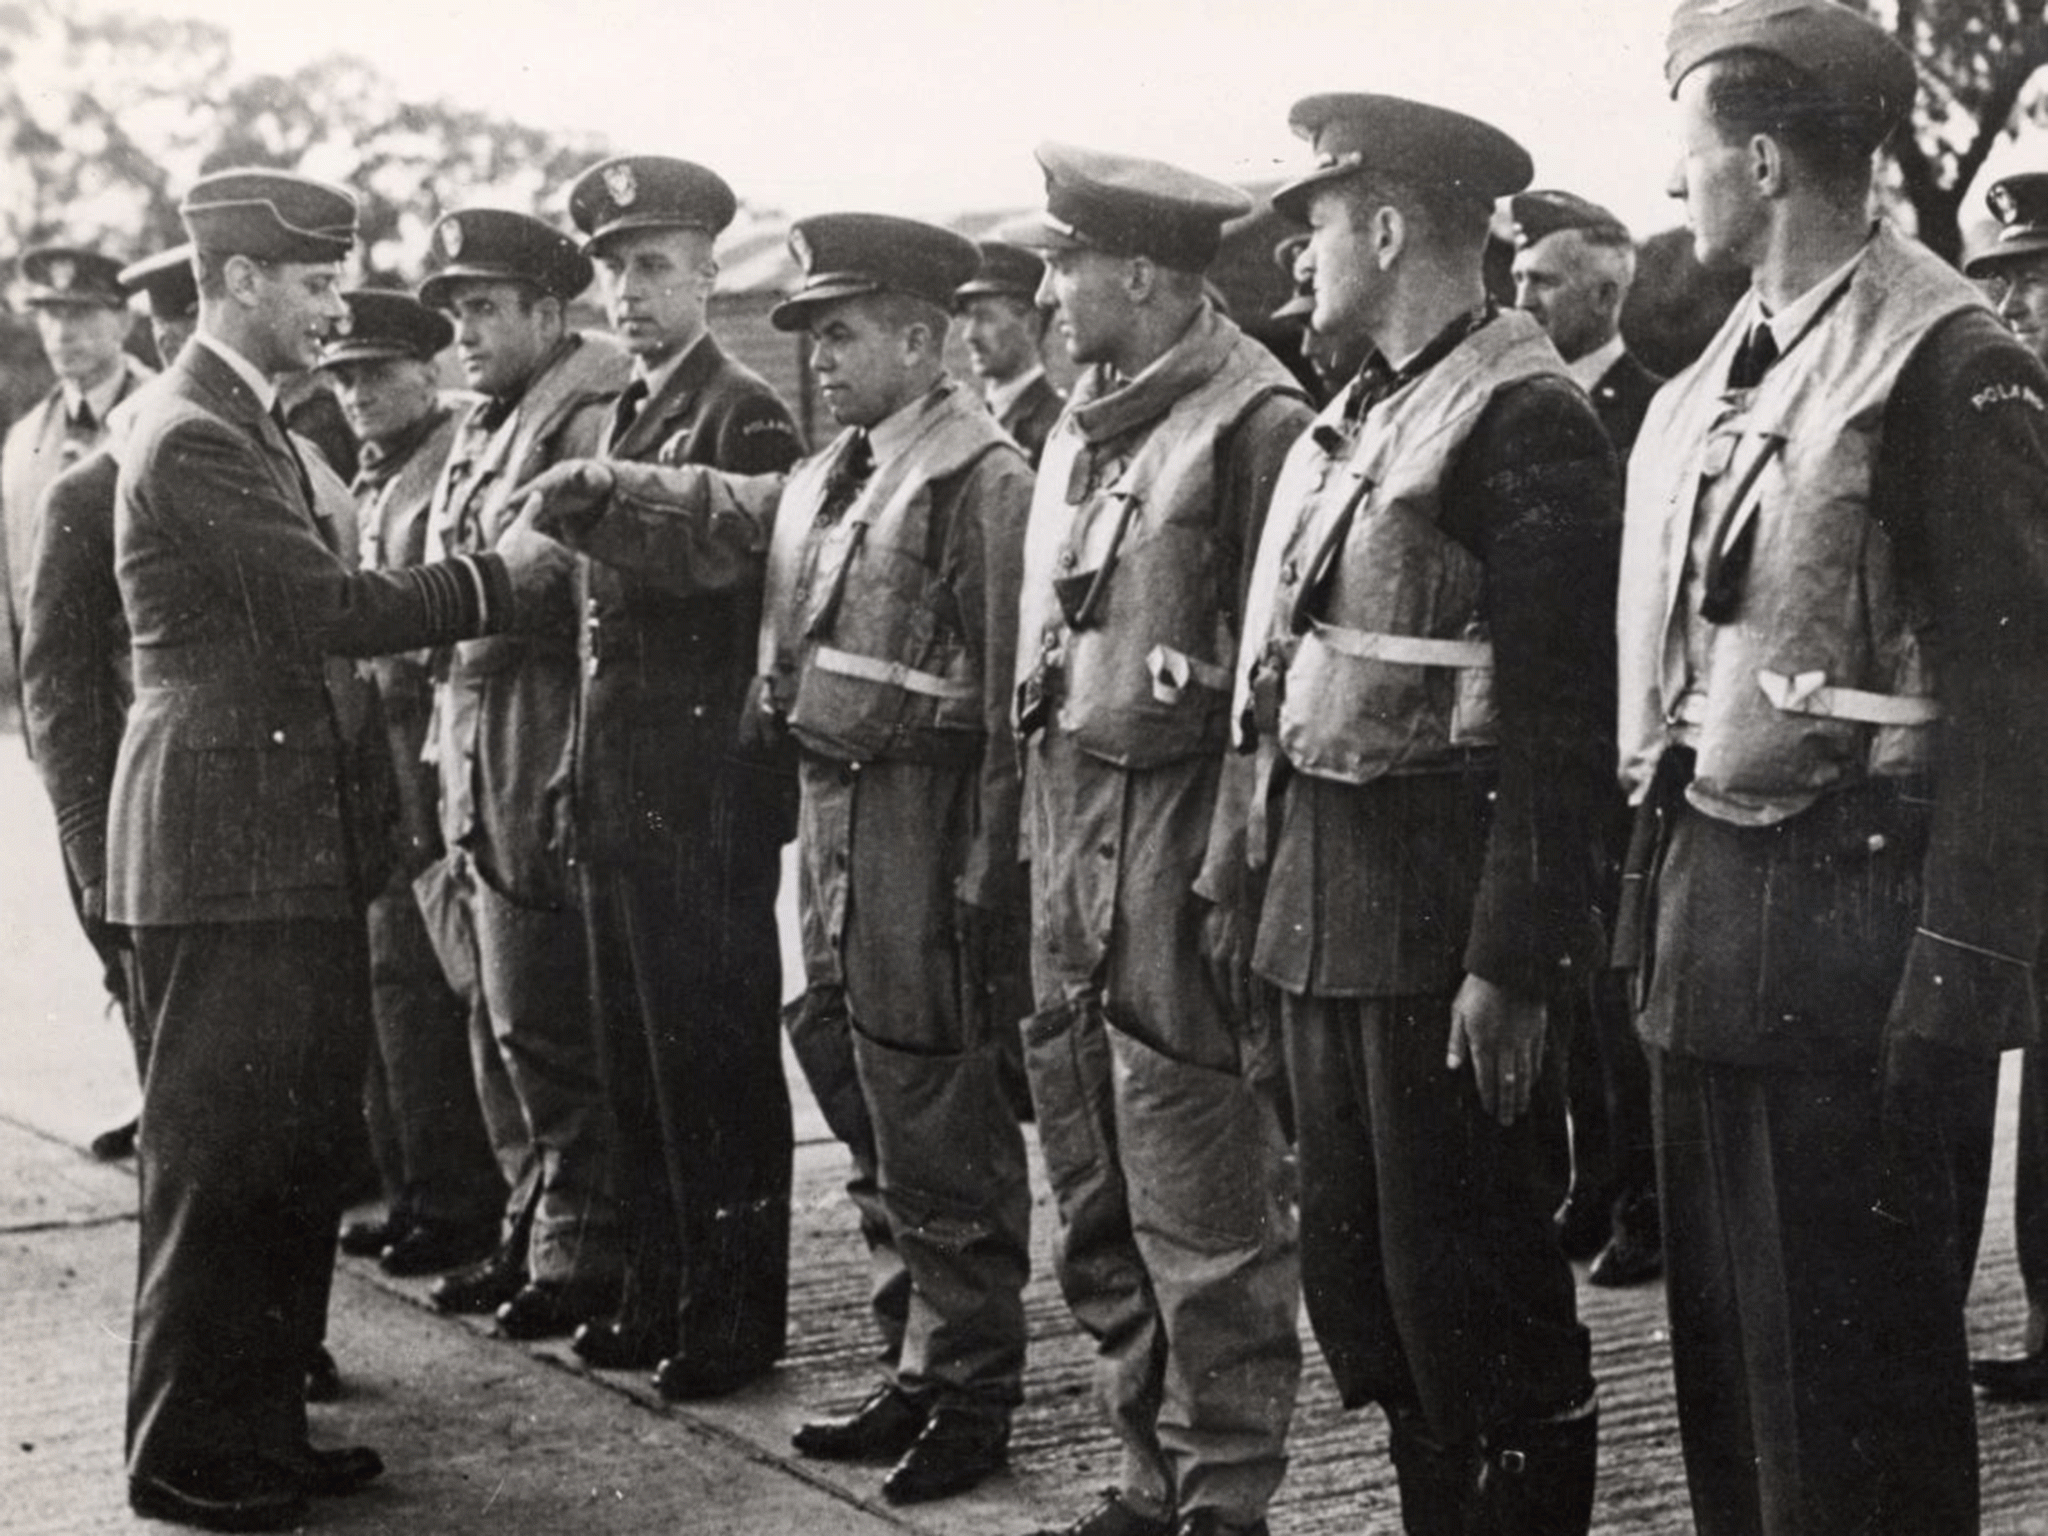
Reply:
x=932 y=106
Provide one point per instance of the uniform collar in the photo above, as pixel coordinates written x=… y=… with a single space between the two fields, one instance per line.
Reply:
x=888 y=437
x=658 y=377
x=1001 y=397
x=1798 y=317
x=1589 y=370
x=101 y=397
x=258 y=381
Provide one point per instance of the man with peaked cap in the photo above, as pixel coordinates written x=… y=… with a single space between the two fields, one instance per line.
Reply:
x=1574 y=262
x=1153 y=1076
x=886 y=648
x=443 y=1190
x=239 y=857
x=1834 y=541
x=1003 y=329
x=82 y=317
x=75 y=683
x=1427 y=674
x=2011 y=264
x=502 y=903
x=681 y=805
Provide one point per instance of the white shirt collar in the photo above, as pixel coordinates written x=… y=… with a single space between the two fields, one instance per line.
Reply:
x=1592 y=368
x=892 y=434
x=1790 y=323
x=658 y=376
x=1001 y=397
x=100 y=397
x=248 y=372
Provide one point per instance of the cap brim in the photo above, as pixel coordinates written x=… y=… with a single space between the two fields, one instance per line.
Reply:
x=1291 y=201
x=434 y=290
x=633 y=224
x=2030 y=244
x=363 y=352
x=980 y=290
x=794 y=312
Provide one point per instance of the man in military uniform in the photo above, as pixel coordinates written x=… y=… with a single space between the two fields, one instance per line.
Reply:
x=681 y=807
x=239 y=857
x=1834 y=539
x=886 y=644
x=75 y=682
x=504 y=711
x=1154 y=1087
x=1332 y=360
x=2012 y=265
x=1004 y=329
x=1574 y=262
x=442 y=1188
x=1429 y=675
x=82 y=317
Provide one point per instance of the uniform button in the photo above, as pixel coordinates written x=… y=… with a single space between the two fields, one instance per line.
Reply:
x=1068 y=560
x=1107 y=850
x=590 y=607
x=278 y=737
x=1290 y=573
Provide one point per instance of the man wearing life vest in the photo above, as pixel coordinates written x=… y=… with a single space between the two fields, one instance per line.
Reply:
x=886 y=647
x=1834 y=717
x=1155 y=1090
x=2014 y=271
x=1428 y=677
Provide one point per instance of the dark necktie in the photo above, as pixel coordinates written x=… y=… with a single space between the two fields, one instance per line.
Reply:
x=626 y=408
x=1753 y=358
x=847 y=477
x=82 y=424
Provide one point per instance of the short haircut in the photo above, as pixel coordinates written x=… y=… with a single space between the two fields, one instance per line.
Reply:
x=1448 y=217
x=900 y=311
x=1751 y=92
x=1608 y=251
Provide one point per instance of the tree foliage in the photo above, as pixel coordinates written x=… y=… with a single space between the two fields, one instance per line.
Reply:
x=1976 y=58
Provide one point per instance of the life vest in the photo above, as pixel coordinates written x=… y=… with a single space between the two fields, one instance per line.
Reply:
x=863 y=647
x=1374 y=638
x=1126 y=598
x=1817 y=677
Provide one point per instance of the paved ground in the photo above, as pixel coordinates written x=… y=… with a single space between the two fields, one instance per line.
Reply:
x=497 y=1439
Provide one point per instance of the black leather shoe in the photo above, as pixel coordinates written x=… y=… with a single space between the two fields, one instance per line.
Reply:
x=331 y=1474
x=544 y=1309
x=2023 y=1379
x=323 y=1376
x=957 y=1450
x=111 y=1146
x=367 y=1239
x=621 y=1345
x=482 y=1287
x=1584 y=1223
x=1206 y=1522
x=229 y=1496
x=427 y=1247
x=681 y=1380
x=882 y=1428
x=1114 y=1517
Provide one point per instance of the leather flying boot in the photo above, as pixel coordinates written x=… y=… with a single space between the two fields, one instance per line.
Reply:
x=882 y=1428
x=482 y=1287
x=1436 y=1480
x=958 y=1449
x=1536 y=1478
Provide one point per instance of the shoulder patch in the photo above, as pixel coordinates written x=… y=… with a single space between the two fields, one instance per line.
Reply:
x=773 y=424
x=2006 y=393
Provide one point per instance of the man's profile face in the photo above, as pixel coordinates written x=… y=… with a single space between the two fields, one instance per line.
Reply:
x=2018 y=289
x=1001 y=335
x=502 y=331
x=296 y=306
x=657 y=283
x=1091 y=307
x=1714 y=178
x=82 y=341
x=1342 y=265
x=382 y=396
x=865 y=367
x=1559 y=287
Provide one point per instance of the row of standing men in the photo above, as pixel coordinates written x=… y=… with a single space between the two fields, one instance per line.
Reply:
x=1005 y=698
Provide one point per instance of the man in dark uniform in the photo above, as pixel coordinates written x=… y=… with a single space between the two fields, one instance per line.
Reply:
x=1153 y=1080
x=1003 y=329
x=238 y=857
x=82 y=318
x=1574 y=262
x=2012 y=266
x=442 y=1188
x=504 y=711
x=681 y=805
x=1428 y=670
x=75 y=682
x=886 y=643
x=1834 y=539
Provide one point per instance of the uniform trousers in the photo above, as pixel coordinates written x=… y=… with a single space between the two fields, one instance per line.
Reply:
x=252 y=1094
x=426 y=1128
x=1816 y=1300
x=687 y=972
x=882 y=846
x=1177 y=1250
x=1429 y=1259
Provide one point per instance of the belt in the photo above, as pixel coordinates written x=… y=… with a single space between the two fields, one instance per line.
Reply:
x=1808 y=694
x=869 y=669
x=1405 y=650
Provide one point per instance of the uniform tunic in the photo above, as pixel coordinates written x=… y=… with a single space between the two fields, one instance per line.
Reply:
x=679 y=828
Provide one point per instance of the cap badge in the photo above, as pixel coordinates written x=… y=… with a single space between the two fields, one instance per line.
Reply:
x=623 y=185
x=451 y=237
x=800 y=248
x=2004 y=204
x=63 y=273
